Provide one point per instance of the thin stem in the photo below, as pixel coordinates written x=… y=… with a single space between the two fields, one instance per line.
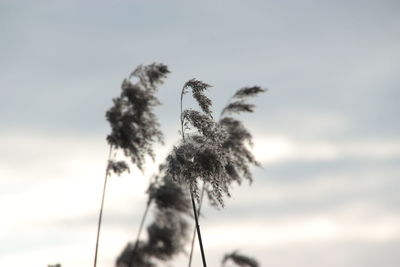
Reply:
x=191 y=193
x=140 y=230
x=101 y=207
x=194 y=230
x=203 y=257
x=201 y=202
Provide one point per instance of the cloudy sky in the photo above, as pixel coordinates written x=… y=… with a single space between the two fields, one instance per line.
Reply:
x=327 y=131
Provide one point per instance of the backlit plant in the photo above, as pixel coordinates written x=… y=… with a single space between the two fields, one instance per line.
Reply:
x=211 y=155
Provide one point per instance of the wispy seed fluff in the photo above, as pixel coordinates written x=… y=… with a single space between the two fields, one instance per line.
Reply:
x=240 y=260
x=215 y=152
x=168 y=233
x=134 y=126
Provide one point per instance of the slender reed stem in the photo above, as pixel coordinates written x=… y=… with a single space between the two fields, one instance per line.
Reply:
x=140 y=231
x=203 y=257
x=101 y=207
x=194 y=230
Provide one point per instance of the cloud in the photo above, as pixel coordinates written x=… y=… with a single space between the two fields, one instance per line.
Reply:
x=56 y=193
x=330 y=228
x=281 y=149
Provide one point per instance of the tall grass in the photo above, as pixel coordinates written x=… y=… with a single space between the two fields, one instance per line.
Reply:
x=212 y=154
x=134 y=126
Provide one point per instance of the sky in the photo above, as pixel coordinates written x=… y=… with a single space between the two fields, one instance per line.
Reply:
x=326 y=132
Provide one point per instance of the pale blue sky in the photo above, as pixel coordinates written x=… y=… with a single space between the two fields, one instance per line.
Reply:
x=327 y=131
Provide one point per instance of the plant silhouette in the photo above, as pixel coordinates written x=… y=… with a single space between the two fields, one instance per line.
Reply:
x=209 y=158
x=168 y=233
x=134 y=126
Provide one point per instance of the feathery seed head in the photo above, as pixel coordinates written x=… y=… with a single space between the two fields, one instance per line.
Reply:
x=134 y=126
x=167 y=235
x=117 y=167
x=135 y=256
x=248 y=92
x=240 y=260
x=170 y=195
x=198 y=88
x=216 y=152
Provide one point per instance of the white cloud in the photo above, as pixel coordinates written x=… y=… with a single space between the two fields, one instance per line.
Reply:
x=49 y=185
x=328 y=228
x=61 y=179
x=278 y=149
